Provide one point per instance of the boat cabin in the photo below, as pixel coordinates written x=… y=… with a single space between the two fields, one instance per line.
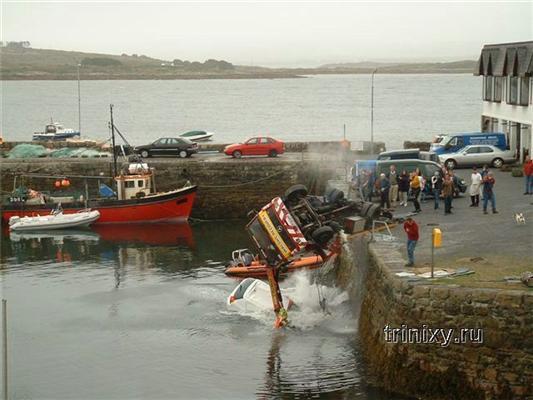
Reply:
x=135 y=182
x=54 y=127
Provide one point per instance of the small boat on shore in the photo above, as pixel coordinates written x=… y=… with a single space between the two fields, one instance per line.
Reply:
x=55 y=131
x=244 y=264
x=55 y=220
x=197 y=136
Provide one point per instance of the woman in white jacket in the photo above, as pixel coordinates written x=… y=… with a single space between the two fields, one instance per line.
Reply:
x=475 y=187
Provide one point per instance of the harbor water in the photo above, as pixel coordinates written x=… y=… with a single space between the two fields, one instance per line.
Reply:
x=413 y=107
x=140 y=312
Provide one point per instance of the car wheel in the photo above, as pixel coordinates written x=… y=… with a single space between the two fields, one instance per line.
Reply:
x=450 y=164
x=237 y=154
x=295 y=193
x=145 y=154
x=272 y=153
x=182 y=154
x=323 y=235
x=497 y=163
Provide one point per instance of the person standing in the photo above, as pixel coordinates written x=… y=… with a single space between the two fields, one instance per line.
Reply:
x=414 y=184
x=475 y=187
x=383 y=186
x=393 y=180
x=488 y=193
x=403 y=187
x=436 y=187
x=411 y=229
x=447 y=193
x=528 y=175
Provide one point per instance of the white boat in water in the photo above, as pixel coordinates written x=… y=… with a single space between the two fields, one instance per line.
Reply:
x=197 y=136
x=55 y=131
x=55 y=220
x=253 y=295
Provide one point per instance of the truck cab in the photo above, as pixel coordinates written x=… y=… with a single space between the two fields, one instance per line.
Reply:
x=452 y=143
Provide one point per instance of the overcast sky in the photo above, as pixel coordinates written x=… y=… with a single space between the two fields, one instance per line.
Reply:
x=269 y=33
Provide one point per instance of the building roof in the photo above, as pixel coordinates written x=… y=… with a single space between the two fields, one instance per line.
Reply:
x=504 y=59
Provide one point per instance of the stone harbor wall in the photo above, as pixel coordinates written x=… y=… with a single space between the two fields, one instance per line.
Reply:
x=226 y=189
x=492 y=358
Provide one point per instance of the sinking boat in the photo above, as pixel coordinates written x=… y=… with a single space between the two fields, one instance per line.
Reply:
x=55 y=131
x=55 y=220
x=197 y=136
x=245 y=264
x=253 y=295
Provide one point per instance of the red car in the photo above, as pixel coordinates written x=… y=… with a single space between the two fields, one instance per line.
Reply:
x=257 y=146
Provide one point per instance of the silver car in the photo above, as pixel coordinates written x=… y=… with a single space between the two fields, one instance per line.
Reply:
x=477 y=155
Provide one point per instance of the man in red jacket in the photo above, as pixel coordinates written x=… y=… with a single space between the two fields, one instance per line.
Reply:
x=528 y=174
x=411 y=228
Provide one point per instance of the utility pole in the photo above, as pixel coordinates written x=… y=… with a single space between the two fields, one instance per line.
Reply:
x=4 y=347
x=372 y=114
x=79 y=101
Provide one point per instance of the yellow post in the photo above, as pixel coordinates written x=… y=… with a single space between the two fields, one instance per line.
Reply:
x=436 y=241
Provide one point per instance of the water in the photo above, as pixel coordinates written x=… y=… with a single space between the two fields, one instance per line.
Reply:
x=407 y=107
x=116 y=313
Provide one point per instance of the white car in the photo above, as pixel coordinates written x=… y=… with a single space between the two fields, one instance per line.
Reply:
x=477 y=155
x=252 y=295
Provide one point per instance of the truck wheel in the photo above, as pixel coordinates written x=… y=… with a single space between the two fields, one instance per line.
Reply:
x=272 y=153
x=450 y=164
x=145 y=154
x=323 y=235
x=237 y=154
x=182 y=154
x=335 y=226
x=335 y=196
x=295 y=193
x=497 y=163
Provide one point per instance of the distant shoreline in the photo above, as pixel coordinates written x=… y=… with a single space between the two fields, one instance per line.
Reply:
x=236 y=76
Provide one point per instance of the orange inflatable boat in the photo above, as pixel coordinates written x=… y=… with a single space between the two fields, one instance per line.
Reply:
x=245 y=264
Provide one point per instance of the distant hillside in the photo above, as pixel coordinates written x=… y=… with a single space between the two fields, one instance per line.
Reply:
x=25 y=63
x=465 y=66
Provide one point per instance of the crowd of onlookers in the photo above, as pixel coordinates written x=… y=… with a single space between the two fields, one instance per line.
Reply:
x=395 y=188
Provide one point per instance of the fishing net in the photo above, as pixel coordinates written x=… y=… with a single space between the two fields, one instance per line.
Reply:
x=78 y=152
x=26 y=150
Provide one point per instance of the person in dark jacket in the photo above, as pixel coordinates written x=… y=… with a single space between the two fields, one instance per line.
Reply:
x=488 y=193
x=403 y=187
x=383 y=186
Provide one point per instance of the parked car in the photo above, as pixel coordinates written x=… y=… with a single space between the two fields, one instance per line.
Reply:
x=256 y=146
x=404 y=154
x=168 y=147
x=427 y=169
x=476 y=155
x=455 y=142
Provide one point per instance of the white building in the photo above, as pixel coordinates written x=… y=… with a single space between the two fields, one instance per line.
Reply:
x=507 y=71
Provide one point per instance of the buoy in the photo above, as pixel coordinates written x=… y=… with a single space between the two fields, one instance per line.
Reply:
x=65 y=183
x=57 y=184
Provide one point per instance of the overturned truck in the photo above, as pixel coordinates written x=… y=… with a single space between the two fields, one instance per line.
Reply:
x=299 y=222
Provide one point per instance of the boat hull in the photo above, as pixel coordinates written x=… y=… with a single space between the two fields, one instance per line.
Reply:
x=259 y=269
x=77 y=220
x=173 y=206
x=55 y=136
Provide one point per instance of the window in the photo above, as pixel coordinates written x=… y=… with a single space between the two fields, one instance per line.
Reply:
x=486 y=149
x=498 y=82
x=129 y=184
x=473 y=150
x=488 y=88
x=513 y=90
x=160 y=142
x=140 y=183
x=524 y=91
x=264 y=140
x=253 y=141
x=173 y=141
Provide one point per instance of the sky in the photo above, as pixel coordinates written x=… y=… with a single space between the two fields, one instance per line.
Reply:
x=275 y=34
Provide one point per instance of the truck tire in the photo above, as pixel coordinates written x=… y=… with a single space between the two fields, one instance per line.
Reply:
x=323 y=235
x=295 y=193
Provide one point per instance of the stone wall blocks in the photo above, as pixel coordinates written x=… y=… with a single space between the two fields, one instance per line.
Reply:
x=440 y=292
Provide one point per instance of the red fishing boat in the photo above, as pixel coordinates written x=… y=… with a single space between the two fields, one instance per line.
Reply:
x=135 y=200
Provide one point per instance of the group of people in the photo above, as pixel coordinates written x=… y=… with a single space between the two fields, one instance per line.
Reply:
x=394 y=187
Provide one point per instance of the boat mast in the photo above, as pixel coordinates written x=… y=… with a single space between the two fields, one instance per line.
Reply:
x=113 y=141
